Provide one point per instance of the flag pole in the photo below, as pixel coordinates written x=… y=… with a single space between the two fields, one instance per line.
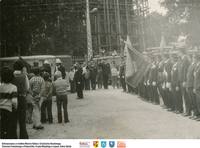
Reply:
x=89 y=35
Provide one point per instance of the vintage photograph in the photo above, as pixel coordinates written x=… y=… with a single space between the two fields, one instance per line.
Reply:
x=99 y=69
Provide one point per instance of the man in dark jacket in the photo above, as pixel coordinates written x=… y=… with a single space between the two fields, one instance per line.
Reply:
x=93 y=76
x=168 y=91
x=197 y=87
x=22 y=83
x=176 y=91
x=46 y=67
x=153 y=78
x=78 y=78
x=122 y=76
x=190 y=86
x=60 y=67
x=184 y=64
x=106 y=74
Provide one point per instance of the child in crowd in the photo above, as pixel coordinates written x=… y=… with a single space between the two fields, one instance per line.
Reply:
x=8 y=105
x=60 y=88
x=46 y=95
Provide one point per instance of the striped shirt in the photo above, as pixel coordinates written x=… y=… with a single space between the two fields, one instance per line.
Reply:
x=7 y=93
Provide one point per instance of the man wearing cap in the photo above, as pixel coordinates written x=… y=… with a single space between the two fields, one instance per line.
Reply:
x=60 y=67
x=183 y=68
x=167 y=83
x=176 y=91
x=122 y=75
x=190 y=86
x=153 y=77
x=93 y=76
x=79 y=81
x=197 y=86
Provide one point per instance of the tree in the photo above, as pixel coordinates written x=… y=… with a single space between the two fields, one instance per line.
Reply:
x=42 y=26
x=184 y=17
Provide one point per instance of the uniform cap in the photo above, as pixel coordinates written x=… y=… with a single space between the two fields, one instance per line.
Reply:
x=58 y=61
x=46 y=62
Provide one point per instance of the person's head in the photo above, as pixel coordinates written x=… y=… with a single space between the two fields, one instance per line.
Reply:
x=35 y=64
x=24 y=70
x=18 y=65
x=46 y=62
x=175 y=57
x=6 y=75
x=58 y=74
x=58 y=62
x=46 y=76
x=36 y=71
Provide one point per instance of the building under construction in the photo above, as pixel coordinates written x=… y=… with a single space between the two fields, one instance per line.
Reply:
x=115 y=19
x=59 y=26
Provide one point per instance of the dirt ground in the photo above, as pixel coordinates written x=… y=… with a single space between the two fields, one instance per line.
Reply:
x=118 y=115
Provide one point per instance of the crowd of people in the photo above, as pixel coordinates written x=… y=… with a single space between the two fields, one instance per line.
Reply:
x=174 y=78
x=26 y=92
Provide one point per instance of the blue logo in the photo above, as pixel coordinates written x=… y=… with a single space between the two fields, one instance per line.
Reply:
x=103 y=144
x=112 y=144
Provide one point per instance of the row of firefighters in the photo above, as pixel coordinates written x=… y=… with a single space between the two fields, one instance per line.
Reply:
x=174 y=78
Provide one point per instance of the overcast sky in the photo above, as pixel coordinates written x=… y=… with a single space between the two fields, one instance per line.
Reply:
x=155 y=6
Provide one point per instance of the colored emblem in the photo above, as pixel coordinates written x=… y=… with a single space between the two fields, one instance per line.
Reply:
x=121 y=144
x=111 y=144
x=103 y=144
x=96 y=144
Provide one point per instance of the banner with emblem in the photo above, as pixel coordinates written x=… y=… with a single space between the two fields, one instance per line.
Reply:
x=136 y=65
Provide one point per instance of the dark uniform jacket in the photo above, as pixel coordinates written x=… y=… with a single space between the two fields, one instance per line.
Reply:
x=197 y=77
x=190 y=75
x=168 y=68
x=160 y=72
x=78 y=77
x=185 y=63
x=122 y=71
x=153 y=75
x=47 y=68
x=174 y=76
x=93 y=73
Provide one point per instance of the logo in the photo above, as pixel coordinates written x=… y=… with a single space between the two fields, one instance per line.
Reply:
x=103 y=144
x=111 y=144
x=96 y=144
x=121 y=144
x=84 y=144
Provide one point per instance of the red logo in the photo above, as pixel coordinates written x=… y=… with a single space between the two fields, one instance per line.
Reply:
x=121 y=144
